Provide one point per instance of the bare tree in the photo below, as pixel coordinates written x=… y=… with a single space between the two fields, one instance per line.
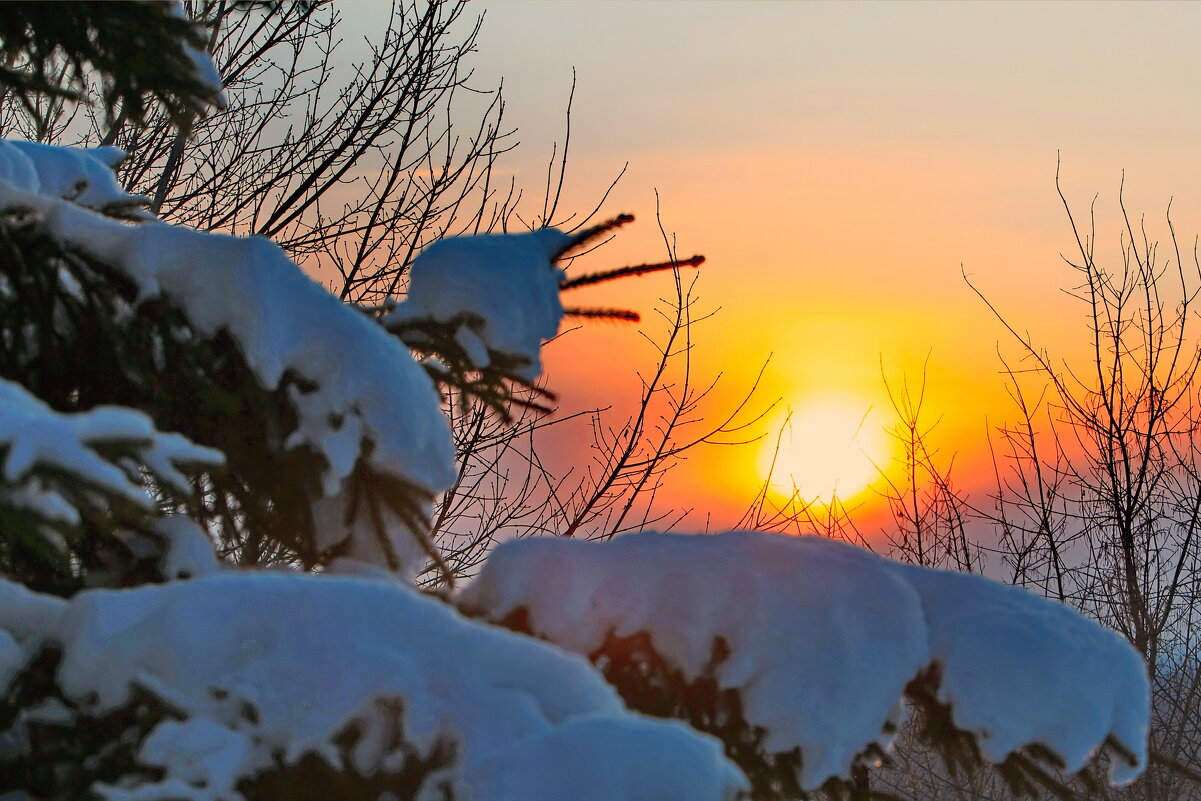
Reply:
x=930 y=515
x=506 y=490
x=1100 y=501
x=1104 y=475
x=1098 y=493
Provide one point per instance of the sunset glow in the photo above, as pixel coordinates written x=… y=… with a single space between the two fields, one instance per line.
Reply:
x=842 y=178
x=825 y=447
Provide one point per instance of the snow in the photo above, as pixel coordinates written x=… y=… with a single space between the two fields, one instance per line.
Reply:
x=189 y=551
x=203 y=759
x=364 y=385
x=34 y=496
x=1018 y=669
x=795 y=614
x=358 y=540
x=314 y=654
x=667 y=755
x=34 y=435
x=77 y=174
x=824 y=637
x=502 y=289
x=203 y=68
x=25 y=617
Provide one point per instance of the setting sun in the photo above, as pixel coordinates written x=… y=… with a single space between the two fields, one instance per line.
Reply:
x=824 y=447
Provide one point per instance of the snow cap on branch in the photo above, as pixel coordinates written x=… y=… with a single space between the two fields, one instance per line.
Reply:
x=189 y=552
x=313 y=656
x=32 y=436
x=1018 y=669
x=823 y=639
x=82 y=175
x=502 y=290
x=360 y=383
x=204 y=71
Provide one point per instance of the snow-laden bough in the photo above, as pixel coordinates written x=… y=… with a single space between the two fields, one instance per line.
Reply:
x=823 y=638
x=34 y=437
x=266 y=669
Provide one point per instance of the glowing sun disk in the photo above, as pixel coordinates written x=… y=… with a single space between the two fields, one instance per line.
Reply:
x=826 y=447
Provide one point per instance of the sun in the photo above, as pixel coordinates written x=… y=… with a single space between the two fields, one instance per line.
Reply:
x=824 y=448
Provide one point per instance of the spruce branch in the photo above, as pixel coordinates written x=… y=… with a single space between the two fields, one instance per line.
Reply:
x=622 y=315
x=454 y=369
x=589 y=234
x=625 y=272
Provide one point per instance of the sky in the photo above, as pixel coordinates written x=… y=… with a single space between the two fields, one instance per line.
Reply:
x=843 y=167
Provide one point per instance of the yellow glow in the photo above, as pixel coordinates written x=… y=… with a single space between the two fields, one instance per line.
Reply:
x=825 y=447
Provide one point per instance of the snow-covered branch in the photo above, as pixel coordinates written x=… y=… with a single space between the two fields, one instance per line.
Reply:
x=820 y=639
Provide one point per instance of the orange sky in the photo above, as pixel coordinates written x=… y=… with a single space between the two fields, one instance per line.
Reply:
x=840 y=165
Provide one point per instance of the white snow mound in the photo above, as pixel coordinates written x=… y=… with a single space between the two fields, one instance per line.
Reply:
x=189 y=552
x=79 y=174
x=314 y=654
x=25 y=619
x=823 y=638
x=1020 y=669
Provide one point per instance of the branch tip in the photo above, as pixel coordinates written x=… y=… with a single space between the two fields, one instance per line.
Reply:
x=625 y=272
x=589 y=234
x=622 y=315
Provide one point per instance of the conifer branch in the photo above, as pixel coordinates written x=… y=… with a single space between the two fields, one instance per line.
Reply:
x=603 y=314
x=624 y=272
x=589 y=234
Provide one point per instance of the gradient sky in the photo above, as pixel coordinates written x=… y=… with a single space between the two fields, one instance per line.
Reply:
x=841 y=166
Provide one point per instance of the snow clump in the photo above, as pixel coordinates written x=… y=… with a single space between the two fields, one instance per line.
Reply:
x=314 y=655
x=1019 y=669
x=203 y=68
x=365 y=384
x=823 y=638
x=32 y=435
x=501 y=289
x=82 y=175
